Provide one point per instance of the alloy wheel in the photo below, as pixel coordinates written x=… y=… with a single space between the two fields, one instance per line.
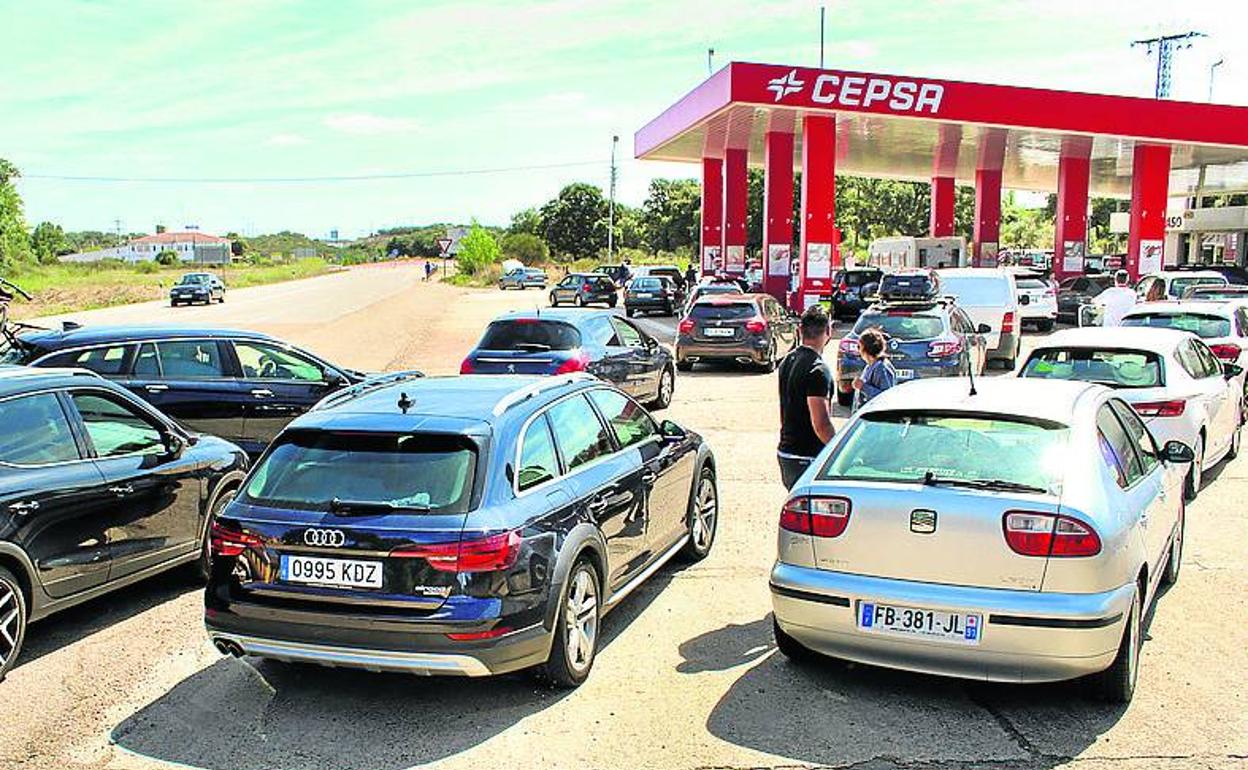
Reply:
x=666 y=387
x=10 y=622
x=581 y=619
x=705 y=513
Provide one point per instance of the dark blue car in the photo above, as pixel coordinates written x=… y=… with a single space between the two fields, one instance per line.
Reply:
x=239 y=385
x=925 y=339
x=565 y=341
x=456 y=525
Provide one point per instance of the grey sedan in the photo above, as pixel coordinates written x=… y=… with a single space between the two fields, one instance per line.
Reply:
x=1018 y=534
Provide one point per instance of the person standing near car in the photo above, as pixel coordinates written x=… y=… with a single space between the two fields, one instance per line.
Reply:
x=691 y=278
x=1116 y=301
x=878 y=375
x=805 y=398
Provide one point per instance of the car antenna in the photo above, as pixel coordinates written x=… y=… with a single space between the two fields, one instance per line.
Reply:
x=405 y=403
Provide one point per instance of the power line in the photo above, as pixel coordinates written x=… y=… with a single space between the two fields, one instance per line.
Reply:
x=302 y=179
x=1166 y=46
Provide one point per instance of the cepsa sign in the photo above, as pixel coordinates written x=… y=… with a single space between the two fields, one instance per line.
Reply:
x=869 y=92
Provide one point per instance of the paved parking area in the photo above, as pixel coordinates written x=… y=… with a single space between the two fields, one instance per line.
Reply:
x=688 y=676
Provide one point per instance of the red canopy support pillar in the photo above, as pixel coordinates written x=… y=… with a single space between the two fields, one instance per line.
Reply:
x=1150 y=184
x=818 y=210
x=712 y=213
x=988 y=197
x=777 y=211
x=944 y=188
x=736 y=193
x=1071 y=222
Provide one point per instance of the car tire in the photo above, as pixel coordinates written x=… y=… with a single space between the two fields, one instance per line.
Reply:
x=553 y=302
x=1116 y=684
x=669 y=310
x=1195 y=474
x=790 y=647
x=1233 y=451
x=611 y=302
x=1174 y=559
x=13 y=615
x=580 y=300
x=843 y=398
x=580 y=612
x=628 y=311
x=769 y=365
x=684 y=366
x=702 y=518
x=667 y=386
x=203 y=565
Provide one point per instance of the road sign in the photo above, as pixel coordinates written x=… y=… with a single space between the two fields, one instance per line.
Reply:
x=445 y=245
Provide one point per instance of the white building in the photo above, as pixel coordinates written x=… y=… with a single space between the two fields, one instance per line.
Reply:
x=189 y=246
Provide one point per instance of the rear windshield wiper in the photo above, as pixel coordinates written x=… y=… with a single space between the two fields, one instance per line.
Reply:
x=532 y=347
x=338 y=505
x=1000 y=485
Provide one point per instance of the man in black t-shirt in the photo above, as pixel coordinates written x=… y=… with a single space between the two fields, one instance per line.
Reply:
x=805 y=390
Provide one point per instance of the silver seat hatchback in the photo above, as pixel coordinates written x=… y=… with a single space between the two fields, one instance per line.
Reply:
x=1017 y=534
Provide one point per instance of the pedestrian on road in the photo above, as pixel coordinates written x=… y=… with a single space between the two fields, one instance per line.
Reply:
x=428 y=270
x=1116 y=301
x=691 y=277
x=879 y=374
x=805 y=398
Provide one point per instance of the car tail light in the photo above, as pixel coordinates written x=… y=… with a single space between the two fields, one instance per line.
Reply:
x=577 y=363
x=1050 y=292
x=756 y=325
x=686 y=326
x=486 y=554
x=1227 y=351
x=848 y=347
x=816 y=516
x=477 y=636
x=466 y=366
x=1049 y=534
x=944 y=348
x=1172 y=408
x=844 y=287
x=1007 y=323
x=228 y=539
x=585 y=287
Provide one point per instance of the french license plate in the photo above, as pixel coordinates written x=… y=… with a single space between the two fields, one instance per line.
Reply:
x=337 y=572
x=718 y=332
x=644 y=295
x=957 y=627
x=905 y=374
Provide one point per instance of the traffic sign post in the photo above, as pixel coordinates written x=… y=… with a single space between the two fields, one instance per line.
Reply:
x=444 y=245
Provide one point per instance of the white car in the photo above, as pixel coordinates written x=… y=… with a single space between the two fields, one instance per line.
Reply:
x=1037 y=301
x=1171 y=378
x=989 y=296
x=1222 y=325
x=1172 y=284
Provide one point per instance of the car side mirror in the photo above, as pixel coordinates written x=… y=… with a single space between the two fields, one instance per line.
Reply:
x=1176 y=452
x=671 y=432
x=983 y=329
x=1230 y=371
x=175 y=445
x=335 y=380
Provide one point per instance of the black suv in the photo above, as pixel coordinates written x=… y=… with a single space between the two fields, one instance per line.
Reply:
x=239 y=385
x=97 y=490
x=456 y=525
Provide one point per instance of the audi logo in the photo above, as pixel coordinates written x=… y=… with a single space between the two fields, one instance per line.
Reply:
x=325 y=538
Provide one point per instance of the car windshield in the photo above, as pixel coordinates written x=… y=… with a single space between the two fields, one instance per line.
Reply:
x=978 y=291
x=193 y=278
x=530 y=333
x=902 y=325
x=908 y=445
x=723 y=311
x=1115 y=368
x=308 y=470
x=16 y=355
x=1180 y=285
x=1201 y=324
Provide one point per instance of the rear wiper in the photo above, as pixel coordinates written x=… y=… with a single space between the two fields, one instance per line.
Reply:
x=532 y=347
x=1001 y=485
x=338 y=505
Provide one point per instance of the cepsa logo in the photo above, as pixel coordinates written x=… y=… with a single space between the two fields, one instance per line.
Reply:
x=863 y=91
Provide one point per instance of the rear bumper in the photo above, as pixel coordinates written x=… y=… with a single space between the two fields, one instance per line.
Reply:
x=650 y=304
x=755 y=350
x=1025 y=636
x=922 y=370
x=1007 y=347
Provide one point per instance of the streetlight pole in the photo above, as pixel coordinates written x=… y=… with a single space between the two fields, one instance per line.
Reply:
x=1213 y=68
x=822 y=11
x=710 y=56
x=615 y=140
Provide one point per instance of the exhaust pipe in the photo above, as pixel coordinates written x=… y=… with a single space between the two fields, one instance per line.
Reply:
x=744 y=360
x=227 y=647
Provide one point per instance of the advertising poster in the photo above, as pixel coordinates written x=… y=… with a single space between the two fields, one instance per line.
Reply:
x=736 y=259
x=1072 y=256
x=989 y=254
x=818 y=261
x=1150 y=256
x=710 y=259
x=778 y=255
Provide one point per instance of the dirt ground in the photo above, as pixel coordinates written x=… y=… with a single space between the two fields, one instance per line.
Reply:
x=688 y=676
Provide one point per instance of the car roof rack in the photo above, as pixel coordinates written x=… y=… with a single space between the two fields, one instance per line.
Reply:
x=520 y=395
x=367 y=386
x=20 y=372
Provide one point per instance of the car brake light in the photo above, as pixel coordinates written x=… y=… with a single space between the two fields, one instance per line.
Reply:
x=486 y=554
x=585 y=287
x=1172 y=408
x=466 y=367
x=686 y=326
x=944 y=348
x=228 y=539
x=844 y=287
x=756 y=325
x=848 y=347
x=577 y=363
x=1007 y=323
x=1049 y=534
x=1227 y=351
x=816 y=516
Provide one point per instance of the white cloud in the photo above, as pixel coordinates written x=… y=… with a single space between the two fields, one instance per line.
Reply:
x=368 y=123
x=286 y=140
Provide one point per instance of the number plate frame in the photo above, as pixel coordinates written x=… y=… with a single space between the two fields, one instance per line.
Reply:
x=870 y=617
x=716 y=331
x=335 y=572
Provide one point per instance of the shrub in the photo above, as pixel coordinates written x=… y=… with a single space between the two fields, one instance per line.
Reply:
x=477 y=250
x=146 y=268
x=167 y=258
x=526 y=247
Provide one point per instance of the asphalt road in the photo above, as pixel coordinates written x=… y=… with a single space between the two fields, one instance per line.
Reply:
x=687 y=677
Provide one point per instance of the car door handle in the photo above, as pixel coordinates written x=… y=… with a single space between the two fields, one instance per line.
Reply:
x=121 y=489
x=155 y=388
x=649 y=477
x=262 y=393
x=25 y=507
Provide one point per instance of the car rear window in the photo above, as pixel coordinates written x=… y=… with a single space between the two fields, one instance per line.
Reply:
x=1179 y=285
x=648 y=284
x=530 y=334
x=1218 y=293
x=308 y=470
x=907 y=445
x=860 y=277
x=19 y=354
x=1201 y=324
x=1115 y=368
x=977 y=291
x=1030 y=283
x=723 y=311
x=902 y=325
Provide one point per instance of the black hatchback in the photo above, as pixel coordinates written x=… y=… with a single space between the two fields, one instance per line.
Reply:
x=242 y=386
x=852 y=290
x=97 y=491
x=456 y=525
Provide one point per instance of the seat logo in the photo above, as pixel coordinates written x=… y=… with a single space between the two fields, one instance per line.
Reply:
x=923 y=521
x=325 y=538
x=785 y=85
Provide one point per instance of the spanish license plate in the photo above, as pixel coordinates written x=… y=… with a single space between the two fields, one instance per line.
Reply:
x=644 y=295
x=957 y=627
x=718 y=332
x=336 y=572
x=905 y=374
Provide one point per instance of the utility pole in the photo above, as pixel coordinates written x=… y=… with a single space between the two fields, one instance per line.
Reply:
x=1212 y=69
x=822 y=12
x=611 y=205
x=1166 y=46
x=710 y=56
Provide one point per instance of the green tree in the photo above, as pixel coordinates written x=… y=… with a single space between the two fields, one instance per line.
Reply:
x=526 y=221
x=14 y=242
x=49 y=242
x=167 y=258
x=671 y=215
x=629 y=231
x=526 y=247
x=477 y=250
x=575 y=222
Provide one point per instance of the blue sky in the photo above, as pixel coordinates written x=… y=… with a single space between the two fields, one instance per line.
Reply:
x=274 y=88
